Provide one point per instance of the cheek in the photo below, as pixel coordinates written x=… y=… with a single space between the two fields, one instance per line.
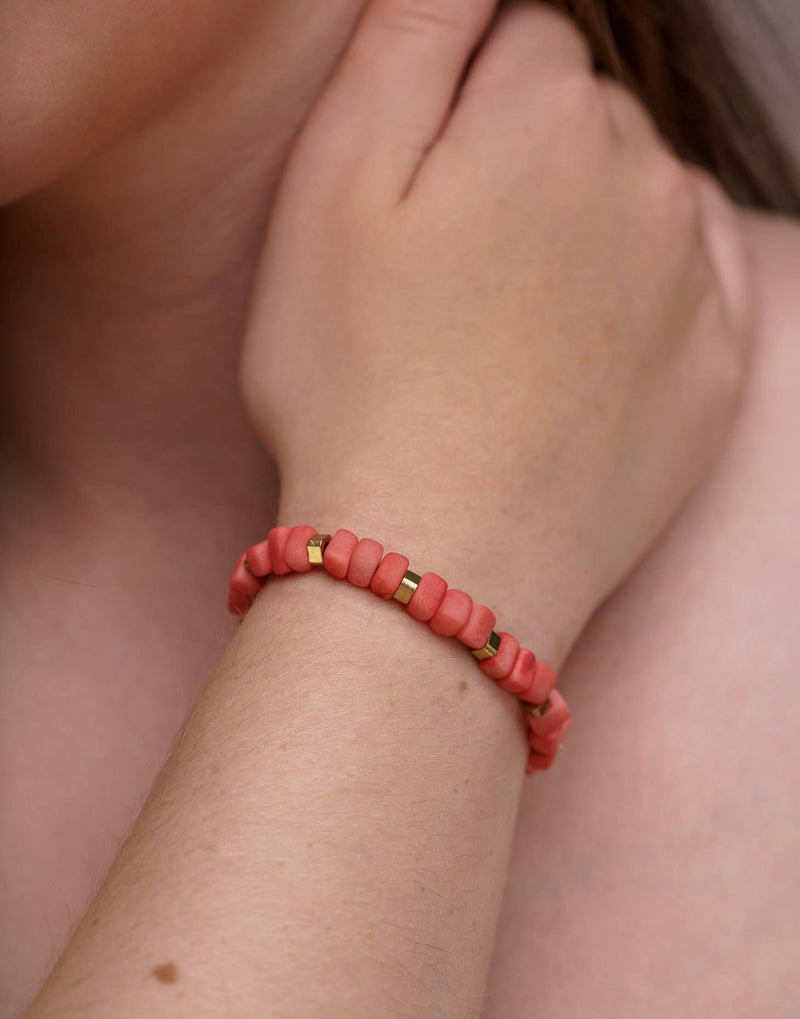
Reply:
x=76 y=74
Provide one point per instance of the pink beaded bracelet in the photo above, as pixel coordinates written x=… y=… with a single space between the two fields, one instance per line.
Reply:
x=427 y=598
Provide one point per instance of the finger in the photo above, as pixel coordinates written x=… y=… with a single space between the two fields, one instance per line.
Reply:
x=396 y=83
x=527 y=42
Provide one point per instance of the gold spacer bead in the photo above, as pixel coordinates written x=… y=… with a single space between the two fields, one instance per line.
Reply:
x=407 y=587
x=489 y=649
x=536 y=710
x=315 y=546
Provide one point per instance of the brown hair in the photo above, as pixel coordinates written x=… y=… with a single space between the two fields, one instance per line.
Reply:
x=672 y=55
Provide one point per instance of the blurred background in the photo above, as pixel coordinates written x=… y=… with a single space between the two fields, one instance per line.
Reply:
x=765 y=36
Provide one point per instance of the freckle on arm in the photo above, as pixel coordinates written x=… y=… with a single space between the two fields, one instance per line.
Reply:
x=167 y=972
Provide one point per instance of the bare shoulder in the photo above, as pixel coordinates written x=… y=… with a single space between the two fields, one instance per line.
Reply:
x=775 y=247
x=668 y=829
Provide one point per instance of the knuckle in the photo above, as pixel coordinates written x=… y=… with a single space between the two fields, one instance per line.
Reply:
x=669 y=194
x=627 y=108
x=578 y=97
x=669 y=181
x=559 y=31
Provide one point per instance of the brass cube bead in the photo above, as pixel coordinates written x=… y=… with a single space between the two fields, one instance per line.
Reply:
x=407 y=587
x=536 y=710
x=489 y=649
x=316 y=547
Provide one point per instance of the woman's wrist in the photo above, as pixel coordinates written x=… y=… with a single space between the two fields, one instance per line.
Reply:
x=471 y=551
x=342 y=771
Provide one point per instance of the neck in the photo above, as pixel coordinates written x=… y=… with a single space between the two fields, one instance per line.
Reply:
x=129 y=279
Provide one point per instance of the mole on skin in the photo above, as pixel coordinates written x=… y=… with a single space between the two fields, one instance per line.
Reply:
x=167 y=972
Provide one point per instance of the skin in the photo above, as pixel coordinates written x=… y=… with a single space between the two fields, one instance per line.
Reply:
x=651 y=348
x=667 y=884
x=108 y=499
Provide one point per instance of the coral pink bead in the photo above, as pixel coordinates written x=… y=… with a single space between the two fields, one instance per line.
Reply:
x=541 y=684
x=242 y=580
x=277 y=539
x=427 y=598
x=239 y=603
x=522 y=672
x=546 y=743
x=296 y=552
x=538 y=762
x=258 y=560
x=336 y=557
x=549 y=742
x=500 y=666
x=452 y=614
x=478 y=627
x=449 y=612
x=553 y=718
x=364 y=562
x=389 y=574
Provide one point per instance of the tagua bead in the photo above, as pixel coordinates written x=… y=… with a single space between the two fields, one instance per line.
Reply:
x=498 y=667
x=452 y=614
x=427 y=598
x=239 y=603
x=480 y=624
x=339 y=552
x=556 y=737
x=521 y=674
x=295 y=553
x=547 y=742
x=277 y=539
x=541 y=684
x=553 y=718
x=388 y=575
x=242 y=580
x=538 y=762
x=258 y=559
x=364 y=561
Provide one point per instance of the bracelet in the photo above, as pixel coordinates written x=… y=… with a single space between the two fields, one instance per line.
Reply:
x=427 y=598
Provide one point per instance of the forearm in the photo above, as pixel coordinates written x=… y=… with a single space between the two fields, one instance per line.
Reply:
x=330 y=832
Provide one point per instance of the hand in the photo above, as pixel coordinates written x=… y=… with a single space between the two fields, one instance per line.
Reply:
x=509 y=331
